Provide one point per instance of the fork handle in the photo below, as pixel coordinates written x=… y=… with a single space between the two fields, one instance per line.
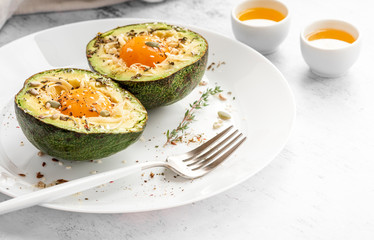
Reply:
x=62 y=190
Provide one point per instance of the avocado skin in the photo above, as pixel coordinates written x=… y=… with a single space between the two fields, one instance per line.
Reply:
x=70 y=145
x=166 y=91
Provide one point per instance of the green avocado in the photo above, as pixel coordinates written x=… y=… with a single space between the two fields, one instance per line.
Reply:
x=165 y=81
x=76 y=114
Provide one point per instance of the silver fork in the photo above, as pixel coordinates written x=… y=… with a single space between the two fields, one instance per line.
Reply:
x=193 y=164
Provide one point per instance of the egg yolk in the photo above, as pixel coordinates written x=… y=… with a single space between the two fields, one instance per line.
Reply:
x=83 y=102
x=146 y=50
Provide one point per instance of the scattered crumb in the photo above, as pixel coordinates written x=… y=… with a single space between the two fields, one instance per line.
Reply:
x=217 y=124
x=60 y=163
x=189 y=138
x=40 y=153
x=123 y=161
x=221 y=97
x=151 y=174
x=98 y=161
x=211 y=66
x=58 y=181
x=22 y=144
x=220 y=63
x=39 y=175
x=68 y=167
x=203 y=83
x=41 y=184
x=93 y=172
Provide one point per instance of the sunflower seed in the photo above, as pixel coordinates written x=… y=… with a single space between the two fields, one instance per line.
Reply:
x=32 y=91
x=104 y=113
x=152 y=44
x=34 y=84
x=54 y=104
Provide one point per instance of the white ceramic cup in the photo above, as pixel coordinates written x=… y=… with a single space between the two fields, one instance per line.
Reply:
x=330 y=61
x=263 y=38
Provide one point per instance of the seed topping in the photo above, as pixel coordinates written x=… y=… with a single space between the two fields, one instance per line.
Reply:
x=33 y=92
x=105 y=113
x=53 y=104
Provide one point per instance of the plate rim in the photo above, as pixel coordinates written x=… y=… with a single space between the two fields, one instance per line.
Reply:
x=79 y=209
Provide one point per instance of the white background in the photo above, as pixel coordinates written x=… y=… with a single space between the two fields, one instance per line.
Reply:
x=321 y=186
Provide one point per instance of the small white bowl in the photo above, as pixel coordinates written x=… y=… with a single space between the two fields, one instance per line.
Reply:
x=330 y=61
x=265 y=38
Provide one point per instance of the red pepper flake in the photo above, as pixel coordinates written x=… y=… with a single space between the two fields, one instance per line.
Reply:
x=111 y=182
x=39 y=175
x=55 y=160
x=43 y=164
x=17 y=127
x=59 y=181
x=151 y=174
x=22 y=175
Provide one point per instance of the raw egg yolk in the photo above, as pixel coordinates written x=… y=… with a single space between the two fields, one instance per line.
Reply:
x=146 y=50
x=83 y=102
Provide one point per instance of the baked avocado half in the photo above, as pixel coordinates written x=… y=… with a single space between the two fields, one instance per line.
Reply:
x=77 y=114
x=157 y=62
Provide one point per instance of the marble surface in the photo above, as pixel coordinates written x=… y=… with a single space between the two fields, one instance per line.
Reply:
x=319 y=187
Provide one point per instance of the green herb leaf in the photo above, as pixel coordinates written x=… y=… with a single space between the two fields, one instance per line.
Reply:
x=189 y=115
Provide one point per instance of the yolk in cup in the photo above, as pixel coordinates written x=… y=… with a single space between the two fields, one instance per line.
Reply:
x=331 y=34
x=261 y=13
x=145 y=50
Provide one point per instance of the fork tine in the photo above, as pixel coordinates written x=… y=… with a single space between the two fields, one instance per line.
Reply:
x=223 y=146
x=199 y=158
x=218 y=161
x=201 y=148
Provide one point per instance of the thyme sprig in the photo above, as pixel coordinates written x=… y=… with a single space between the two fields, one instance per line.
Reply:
x=189 y=115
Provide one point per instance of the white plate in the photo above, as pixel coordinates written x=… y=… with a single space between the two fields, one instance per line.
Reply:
x=261 y=105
